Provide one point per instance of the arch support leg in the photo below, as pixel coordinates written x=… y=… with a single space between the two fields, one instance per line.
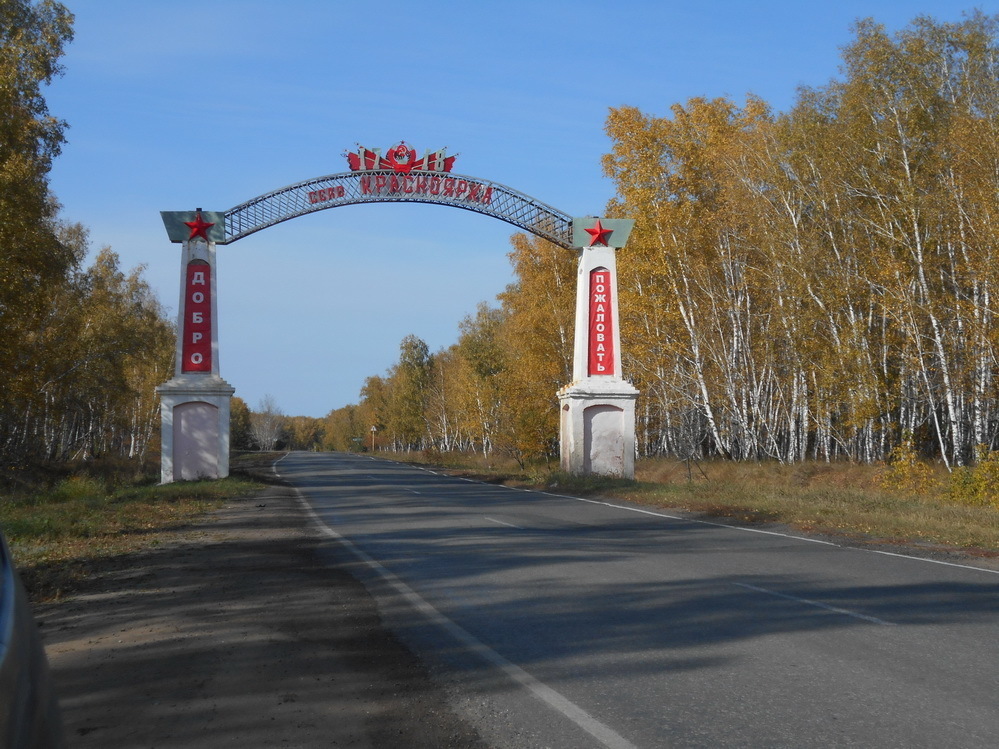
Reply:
x=597 y=410
x=194 y=405
x=195 y=428
x=597 y=429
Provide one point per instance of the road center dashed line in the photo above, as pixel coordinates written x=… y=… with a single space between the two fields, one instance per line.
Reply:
x=818 y=604
x=501 y=522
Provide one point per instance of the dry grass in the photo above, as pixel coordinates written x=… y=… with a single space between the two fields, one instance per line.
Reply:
x=59 y=536
x=844 y=499
x=837 y=498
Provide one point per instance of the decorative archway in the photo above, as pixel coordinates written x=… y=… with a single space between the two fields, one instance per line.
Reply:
x=400 y=176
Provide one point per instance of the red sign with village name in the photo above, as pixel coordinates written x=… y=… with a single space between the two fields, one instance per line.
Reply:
x=601 y=359
x=197 y=348
x=455 y=188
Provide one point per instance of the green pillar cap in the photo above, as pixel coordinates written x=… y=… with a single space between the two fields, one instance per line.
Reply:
x=178 y=230
x=593 y=231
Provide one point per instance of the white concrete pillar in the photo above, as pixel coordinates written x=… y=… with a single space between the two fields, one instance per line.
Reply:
x=194 y=404
x=597 y=418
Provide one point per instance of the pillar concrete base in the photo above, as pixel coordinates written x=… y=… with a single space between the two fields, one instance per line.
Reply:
x=195 y=427
x=597 y=427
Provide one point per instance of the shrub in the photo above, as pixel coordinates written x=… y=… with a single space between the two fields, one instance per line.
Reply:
x=977 y=484
x=78 y=487
x=906 y=472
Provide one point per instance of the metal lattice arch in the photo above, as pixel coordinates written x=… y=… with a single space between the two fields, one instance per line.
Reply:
x=438 y=188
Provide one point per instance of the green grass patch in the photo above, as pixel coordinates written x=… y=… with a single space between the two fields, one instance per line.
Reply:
x=58 y=536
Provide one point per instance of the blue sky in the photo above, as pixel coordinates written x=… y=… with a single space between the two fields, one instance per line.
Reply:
x=182 y=104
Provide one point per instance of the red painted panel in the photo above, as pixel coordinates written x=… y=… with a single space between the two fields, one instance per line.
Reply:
x=601 y=339
x=197 y=341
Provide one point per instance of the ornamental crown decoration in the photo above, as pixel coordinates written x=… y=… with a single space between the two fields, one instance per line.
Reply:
x=400 y=158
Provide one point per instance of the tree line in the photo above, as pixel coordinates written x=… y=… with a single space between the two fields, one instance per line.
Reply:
x=821 y=282
x=818 y=283
x=492 y=391
x=81 y=347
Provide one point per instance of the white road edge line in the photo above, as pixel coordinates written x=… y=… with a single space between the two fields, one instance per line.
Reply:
x=774 y=533
x=602 y=733
x=691 y=520
x=732 y=527
x=819 y=604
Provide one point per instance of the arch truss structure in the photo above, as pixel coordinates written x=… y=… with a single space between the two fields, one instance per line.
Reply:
x=389 y=186
x=597 y=421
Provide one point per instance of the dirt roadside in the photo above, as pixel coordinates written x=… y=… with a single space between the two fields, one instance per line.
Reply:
x=234 y=634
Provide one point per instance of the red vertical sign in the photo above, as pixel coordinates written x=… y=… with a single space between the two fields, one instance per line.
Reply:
x=197 y=348
x=601 y=360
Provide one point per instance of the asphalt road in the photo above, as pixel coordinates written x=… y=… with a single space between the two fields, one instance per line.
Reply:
x=577 y=623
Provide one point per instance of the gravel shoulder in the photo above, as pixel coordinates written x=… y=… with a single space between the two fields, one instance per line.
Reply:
x=234 y=633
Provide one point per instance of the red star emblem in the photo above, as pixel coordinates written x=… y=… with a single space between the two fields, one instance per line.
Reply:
x=198 y=227
x=599 y=234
